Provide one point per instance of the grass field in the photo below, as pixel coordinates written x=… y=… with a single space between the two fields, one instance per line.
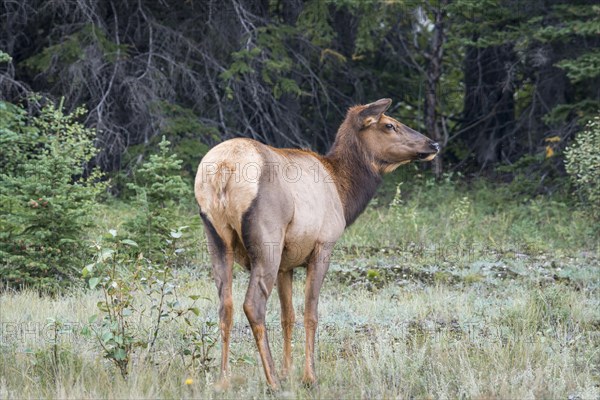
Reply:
x=445 y=293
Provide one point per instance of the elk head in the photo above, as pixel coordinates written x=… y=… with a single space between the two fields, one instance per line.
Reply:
x=389 y=142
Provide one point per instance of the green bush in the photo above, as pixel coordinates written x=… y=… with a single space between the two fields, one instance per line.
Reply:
x=122 y=273
x=160 y=191
x=582 y=161
x=45 y=202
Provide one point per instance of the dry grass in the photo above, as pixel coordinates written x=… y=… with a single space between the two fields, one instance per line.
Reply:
x=515 y=340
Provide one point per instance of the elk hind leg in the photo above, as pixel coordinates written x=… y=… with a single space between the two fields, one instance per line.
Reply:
x=264 y=267
x=221 y=253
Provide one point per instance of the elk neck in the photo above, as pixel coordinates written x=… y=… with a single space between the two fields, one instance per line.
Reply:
x=353 y=171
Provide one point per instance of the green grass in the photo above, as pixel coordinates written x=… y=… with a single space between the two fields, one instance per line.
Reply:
x=453 y=293
x=448 y=214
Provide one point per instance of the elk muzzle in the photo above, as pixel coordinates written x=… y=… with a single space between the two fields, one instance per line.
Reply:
x=434 y=148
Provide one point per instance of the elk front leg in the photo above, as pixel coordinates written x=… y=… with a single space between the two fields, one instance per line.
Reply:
x=315 y=273
x=288 y=318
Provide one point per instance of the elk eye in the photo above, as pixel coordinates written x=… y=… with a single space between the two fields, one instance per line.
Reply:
x=390 y=126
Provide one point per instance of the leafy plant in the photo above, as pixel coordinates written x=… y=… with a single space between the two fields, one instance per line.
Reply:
x=582 y=162
x=198 y=345
x=122 y=273
x=46 y=201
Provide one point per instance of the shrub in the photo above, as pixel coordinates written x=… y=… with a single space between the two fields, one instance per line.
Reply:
x=582 y=161
x=45 y=202
x=122 y=273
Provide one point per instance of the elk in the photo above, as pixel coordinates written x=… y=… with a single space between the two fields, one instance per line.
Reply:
x=272 y=210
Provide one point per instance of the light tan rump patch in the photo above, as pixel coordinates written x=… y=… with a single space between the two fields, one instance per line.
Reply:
x=227 y=182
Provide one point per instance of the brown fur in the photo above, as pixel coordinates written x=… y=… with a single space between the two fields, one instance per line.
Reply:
x=276 y=220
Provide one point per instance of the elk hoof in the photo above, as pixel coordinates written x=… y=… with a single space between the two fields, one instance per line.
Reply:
x=309 y=381
x=221 y=385
x=273 y=389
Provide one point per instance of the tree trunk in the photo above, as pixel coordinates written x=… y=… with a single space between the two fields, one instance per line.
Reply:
x=433 y=73
x=489 y=105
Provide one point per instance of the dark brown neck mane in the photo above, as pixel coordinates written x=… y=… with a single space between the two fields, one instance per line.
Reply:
x=352 y=170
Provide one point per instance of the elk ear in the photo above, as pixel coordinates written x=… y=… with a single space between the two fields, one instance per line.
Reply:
x=371 y=112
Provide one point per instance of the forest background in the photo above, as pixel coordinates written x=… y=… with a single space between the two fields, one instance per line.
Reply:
x=472 y=276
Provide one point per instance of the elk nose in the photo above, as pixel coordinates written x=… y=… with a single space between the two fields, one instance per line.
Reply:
x=435 y=146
